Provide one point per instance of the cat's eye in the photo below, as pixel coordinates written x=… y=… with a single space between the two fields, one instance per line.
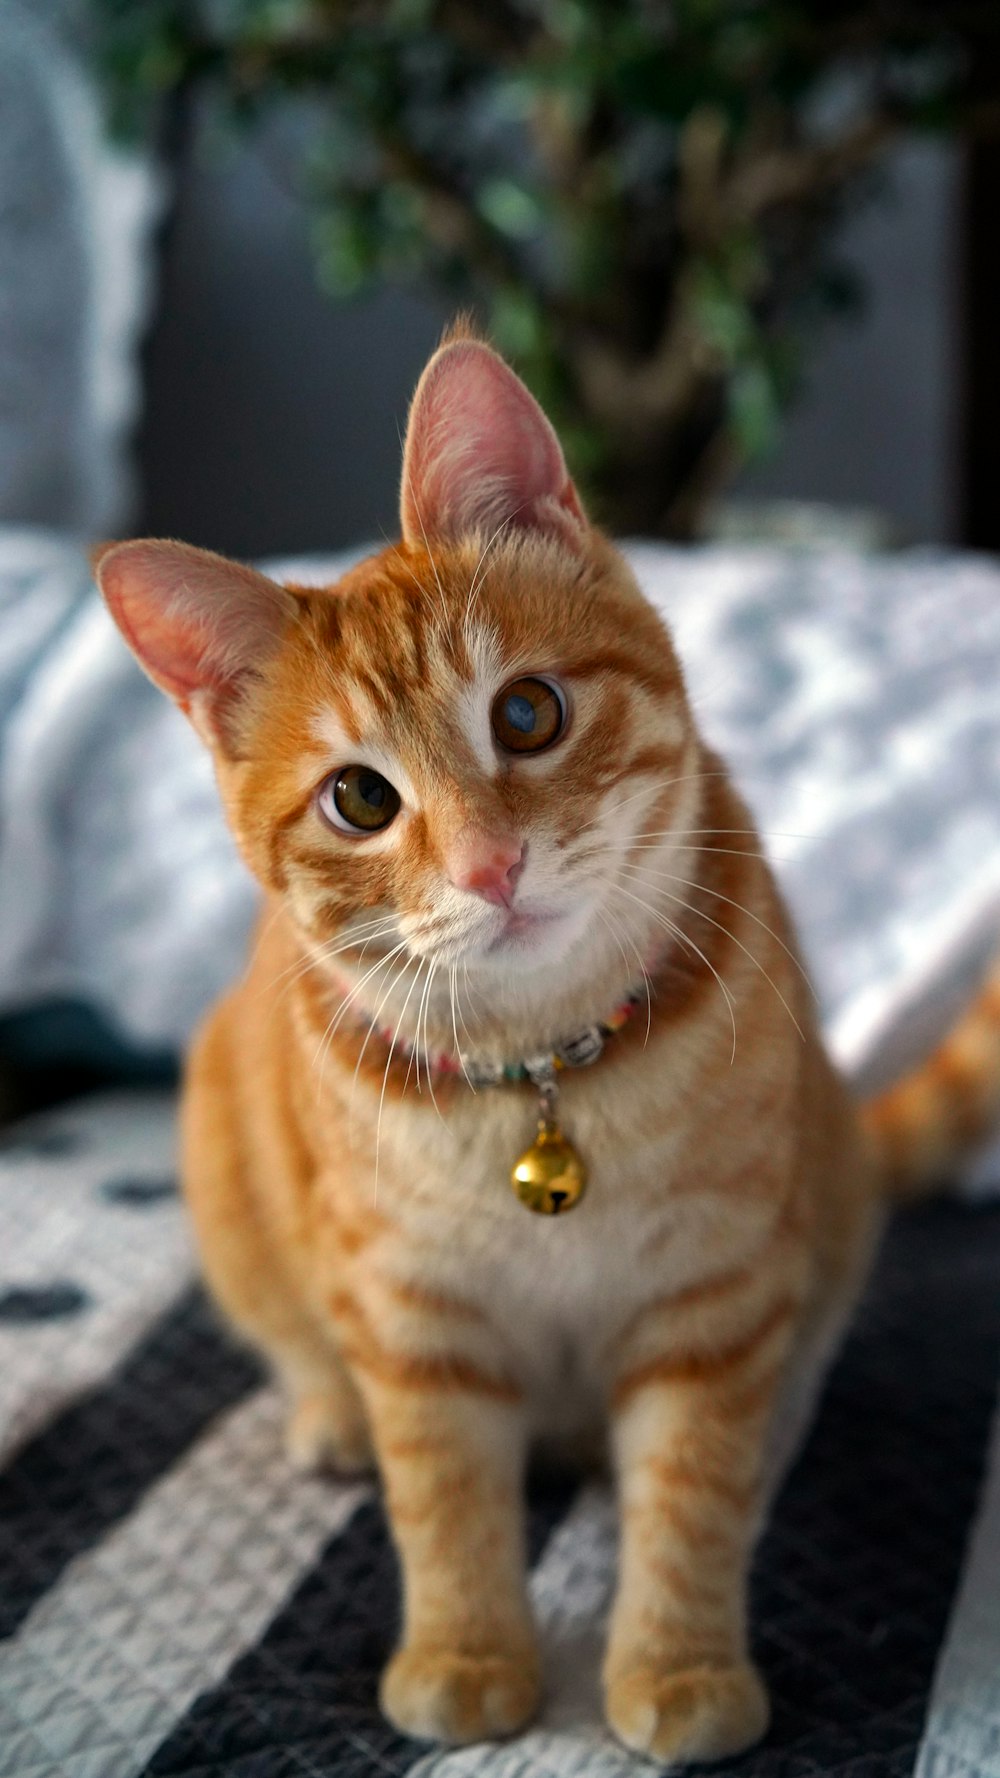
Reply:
x=357 y=800
x=528 y=715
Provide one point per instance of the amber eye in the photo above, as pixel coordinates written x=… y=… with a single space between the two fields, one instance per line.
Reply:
x=528 y=715
x=358 y=800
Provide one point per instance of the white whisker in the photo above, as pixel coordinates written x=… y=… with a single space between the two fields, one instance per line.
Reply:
x=430 y=1071
x=387 y=988
x=401 y=559
x=604 y=914
x=476 y=582
x=666 y=833
x=418 y=1045
x=345 y=1005
x=414 y=1055
x=259 y=940
x=678 y=932
x=699 y=915
x=385 y=1080
x=452 y=977
x=689 y=883
x=382 y=928
x=658 y=785
x=470 y=990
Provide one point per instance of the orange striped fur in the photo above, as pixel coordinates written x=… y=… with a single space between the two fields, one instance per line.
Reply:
x=353 y=1211
x=947 y=1106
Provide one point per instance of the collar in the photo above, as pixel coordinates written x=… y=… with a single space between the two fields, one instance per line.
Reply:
x=550 y=1176
x=580 y=1050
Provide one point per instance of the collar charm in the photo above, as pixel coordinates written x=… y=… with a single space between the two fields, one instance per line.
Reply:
x=550 y=1177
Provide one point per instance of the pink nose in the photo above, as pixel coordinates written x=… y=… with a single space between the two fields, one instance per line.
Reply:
x=488 y=869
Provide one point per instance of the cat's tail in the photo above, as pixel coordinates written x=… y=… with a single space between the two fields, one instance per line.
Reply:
x=925 y=1123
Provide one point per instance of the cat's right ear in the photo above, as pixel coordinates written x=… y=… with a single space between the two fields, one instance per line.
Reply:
x=198 y=624
x=480 y=454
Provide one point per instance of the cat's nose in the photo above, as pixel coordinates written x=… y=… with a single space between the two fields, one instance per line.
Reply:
x=489 y=869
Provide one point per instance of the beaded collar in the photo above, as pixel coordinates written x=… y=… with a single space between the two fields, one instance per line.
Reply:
x=550 y=1176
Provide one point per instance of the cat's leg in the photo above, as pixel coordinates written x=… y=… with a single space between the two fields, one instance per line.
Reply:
x=327 y=1425
x=451 y=1446
x=690 y=1434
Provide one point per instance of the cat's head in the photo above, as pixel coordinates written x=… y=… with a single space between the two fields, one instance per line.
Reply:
x=455 y=747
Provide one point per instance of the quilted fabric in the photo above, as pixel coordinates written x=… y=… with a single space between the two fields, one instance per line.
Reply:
x=177 y=1602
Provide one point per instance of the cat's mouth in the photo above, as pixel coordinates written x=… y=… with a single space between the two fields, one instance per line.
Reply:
x=526 y=931
x=526 y=936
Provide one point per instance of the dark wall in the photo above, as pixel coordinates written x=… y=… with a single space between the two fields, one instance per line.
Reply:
x=877 y=421
x=273 y=411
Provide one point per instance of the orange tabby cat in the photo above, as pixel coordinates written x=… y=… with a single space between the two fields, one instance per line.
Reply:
x=470 y=783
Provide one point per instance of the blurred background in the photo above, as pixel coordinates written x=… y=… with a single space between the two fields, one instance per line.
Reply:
x=292 y=404
x=745 y=253
x=742 y=251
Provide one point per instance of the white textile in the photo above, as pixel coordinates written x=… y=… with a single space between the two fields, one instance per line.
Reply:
x=857 y=698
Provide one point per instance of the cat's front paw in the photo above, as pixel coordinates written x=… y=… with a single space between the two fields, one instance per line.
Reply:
x=699 y=1713
x=439 y=1695
x=324 y=1433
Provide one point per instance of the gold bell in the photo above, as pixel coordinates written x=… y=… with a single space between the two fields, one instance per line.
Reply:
x=550 y=1176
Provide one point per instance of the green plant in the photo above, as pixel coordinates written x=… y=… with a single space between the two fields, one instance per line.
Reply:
x=640 y=197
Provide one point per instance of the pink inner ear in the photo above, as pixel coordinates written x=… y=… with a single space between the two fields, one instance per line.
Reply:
x=194 y=620
x=480 y=452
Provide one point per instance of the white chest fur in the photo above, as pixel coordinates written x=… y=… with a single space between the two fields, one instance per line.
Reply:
x=555 y=1293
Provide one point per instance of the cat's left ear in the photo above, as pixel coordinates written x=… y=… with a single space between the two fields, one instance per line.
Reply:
x=480 y=453
x=199 y=625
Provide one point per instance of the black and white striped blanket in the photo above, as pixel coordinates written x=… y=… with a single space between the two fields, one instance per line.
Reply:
x=175 y=1601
